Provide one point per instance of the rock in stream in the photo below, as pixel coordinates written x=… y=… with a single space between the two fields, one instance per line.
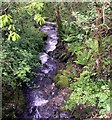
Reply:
x=45 y=99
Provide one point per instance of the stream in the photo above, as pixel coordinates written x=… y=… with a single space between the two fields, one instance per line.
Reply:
x=44 y=98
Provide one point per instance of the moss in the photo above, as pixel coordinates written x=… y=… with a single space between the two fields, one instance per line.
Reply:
x=61 y=79
x=63 y=72
x=56 y=78
x=62 y=82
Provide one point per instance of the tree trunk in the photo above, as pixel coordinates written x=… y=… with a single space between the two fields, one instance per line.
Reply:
x=99 y=21
x=58 y=20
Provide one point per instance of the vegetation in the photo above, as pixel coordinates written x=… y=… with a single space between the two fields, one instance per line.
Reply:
x=86 y=39
x=84 y=47
x=21 y=45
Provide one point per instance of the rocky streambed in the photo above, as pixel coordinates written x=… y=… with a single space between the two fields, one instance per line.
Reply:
x=44 y=99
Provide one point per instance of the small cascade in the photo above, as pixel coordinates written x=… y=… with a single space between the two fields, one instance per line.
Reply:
x=41 y=99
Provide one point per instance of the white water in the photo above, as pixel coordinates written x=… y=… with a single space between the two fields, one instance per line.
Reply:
x=36 y=96
x=44 y=57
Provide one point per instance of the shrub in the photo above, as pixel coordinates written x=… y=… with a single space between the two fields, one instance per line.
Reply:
x=90 y=93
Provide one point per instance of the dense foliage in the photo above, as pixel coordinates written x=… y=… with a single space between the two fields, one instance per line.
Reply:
x=85 y=32
x=21 y=44
x=87 y=40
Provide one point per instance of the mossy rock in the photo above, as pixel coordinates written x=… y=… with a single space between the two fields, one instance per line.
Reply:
x=62 y=82
x=61 y=79
x=56 y=78
x=62 y=72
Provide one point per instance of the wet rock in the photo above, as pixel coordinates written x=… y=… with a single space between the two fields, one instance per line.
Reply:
x=44 y=57
x=45 y=99
x=64 y=114
x=51 y=23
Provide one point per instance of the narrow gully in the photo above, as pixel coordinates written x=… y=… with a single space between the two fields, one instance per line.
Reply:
x=41 y=99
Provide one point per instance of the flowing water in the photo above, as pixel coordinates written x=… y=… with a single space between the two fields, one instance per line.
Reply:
x=44 y=99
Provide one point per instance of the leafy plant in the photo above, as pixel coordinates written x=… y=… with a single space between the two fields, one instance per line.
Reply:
x=39 y=19
x=19 y=57
x=83 y=57
x=92 y=44
x=90 y=93
x=14 y=36
x=5 y=19
x=75 y=49
x=34 y=8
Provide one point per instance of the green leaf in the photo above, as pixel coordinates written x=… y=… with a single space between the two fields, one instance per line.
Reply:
x=13 y=36
x=39 y=19
x=4 y=20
